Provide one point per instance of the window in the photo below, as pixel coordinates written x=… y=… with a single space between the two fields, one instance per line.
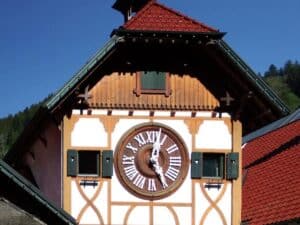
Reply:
x=208 y=165
x=83 y=163
x=88 y=163
x=213 y=165
x=152 y=82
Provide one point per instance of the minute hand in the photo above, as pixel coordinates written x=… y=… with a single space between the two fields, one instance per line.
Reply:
x=156 y=148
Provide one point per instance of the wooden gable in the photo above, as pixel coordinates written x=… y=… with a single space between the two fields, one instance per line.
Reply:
x=118 y=91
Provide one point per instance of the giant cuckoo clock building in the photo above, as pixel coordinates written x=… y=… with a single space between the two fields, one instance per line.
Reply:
x=149 y=130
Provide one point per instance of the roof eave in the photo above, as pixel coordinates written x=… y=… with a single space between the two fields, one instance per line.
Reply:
x=77 y=78
x=258 y=82
x=210 y=35
x=22 y=183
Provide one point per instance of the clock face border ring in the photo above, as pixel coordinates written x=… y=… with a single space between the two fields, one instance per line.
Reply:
x=164 y=161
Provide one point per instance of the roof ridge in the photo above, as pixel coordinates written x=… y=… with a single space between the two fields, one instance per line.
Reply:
x=184 y=16
x=171 y=10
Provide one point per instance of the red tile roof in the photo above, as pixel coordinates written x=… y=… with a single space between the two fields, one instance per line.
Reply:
x=271 y=170
x=157 y=17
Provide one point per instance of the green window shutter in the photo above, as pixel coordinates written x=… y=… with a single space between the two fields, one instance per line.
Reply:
x=232 y=166
x=107 y=163
x=196 y=165
x=72 y=163
x=152 y=80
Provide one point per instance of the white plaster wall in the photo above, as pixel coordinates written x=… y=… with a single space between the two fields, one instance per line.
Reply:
x=183 y=194
x=120 y=212
x=184 y=215
x=101 y=202
x=225 y=204
x=163 y=216
x=77 y=201
x=89 y=217
x=202 y=204
x=120 y=194
x=139 y=215
x=213 y=134
x=123 y=126
x=89 y=132
x=180 y=128
x=213 y=218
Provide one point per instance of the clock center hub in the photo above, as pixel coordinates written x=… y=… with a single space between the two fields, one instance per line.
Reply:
x=143 y=163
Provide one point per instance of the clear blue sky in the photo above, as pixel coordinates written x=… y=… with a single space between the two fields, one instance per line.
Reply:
x=44 y=42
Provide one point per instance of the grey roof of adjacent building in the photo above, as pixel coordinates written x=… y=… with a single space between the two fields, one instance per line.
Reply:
x=273 y=126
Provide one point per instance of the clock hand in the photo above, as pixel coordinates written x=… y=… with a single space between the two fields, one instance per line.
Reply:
x=154 y=160
x=156 y=148
x=159 y=172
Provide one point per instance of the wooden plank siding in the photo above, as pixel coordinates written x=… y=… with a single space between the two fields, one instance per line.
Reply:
x=117 y=91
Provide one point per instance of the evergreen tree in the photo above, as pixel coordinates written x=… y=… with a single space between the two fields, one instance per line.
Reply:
x=272 y=72
x=292 y=73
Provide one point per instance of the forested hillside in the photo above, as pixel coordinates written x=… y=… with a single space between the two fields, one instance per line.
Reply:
x=285 y=81
x=12 y=126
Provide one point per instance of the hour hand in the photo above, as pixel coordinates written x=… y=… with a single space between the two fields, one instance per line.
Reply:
x=159 y=172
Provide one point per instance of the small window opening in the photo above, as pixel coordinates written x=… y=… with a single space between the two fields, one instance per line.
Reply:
x=153 y=82
x=213 y=165
x=88 y=163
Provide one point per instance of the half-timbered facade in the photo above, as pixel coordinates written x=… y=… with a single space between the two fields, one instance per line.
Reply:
x=149 y=130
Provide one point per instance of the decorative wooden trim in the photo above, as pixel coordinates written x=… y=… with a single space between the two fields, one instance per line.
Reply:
x=237 y=184
x=131 y=208
x=89 y=202
x=211 y=150
x=193 y=125
x=213 y=203
x=175 y=216
x=193 y=183
x=67 y=127
x=151 y=213
x=153 y=203
x=109 y=206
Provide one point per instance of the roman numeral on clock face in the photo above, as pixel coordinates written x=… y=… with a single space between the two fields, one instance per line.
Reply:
x=175 y=161
x=151 y=136
x=132 y=148
x=151 y=185
x=139 y=181
x=127 y=160
x=130 y=172
x=172 y=148
x=172 y=173
x=140 y=139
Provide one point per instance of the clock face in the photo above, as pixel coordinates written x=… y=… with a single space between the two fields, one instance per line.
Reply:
x=151 y=162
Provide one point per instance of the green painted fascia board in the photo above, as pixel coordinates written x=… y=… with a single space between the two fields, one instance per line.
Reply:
x=33 y=191
x=83 y=71
x=254 y=78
